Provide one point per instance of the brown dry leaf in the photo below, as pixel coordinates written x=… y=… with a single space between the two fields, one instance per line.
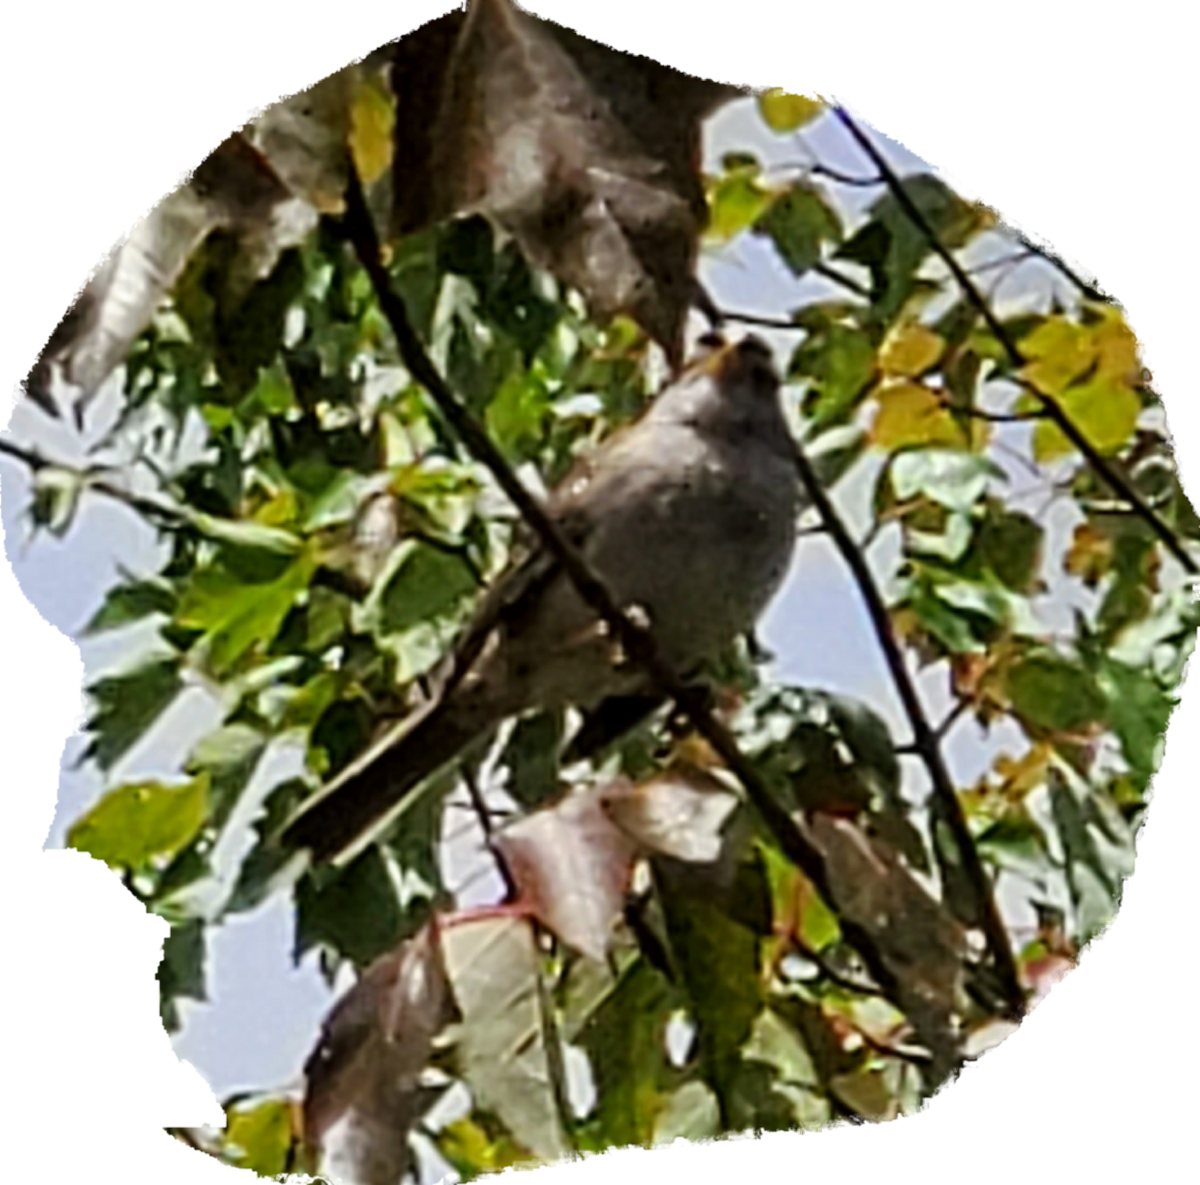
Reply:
x=589 y=157
x=362 y=1081
x=919 y=941
x=680 y=813
x=265 y=184
x=572 y=867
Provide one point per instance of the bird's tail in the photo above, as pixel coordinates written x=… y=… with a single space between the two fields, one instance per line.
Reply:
x=374 y=784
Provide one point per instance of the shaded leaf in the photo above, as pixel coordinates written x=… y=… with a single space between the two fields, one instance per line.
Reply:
x=181 y=972
x=353 y=911
x=125 y=706
x=1053 y=692
x=800 y=222
x=493 y=968
x=130 y=602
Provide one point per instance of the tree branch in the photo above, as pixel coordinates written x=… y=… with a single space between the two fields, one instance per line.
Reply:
x=634 y=639
x=925 y=740
x=1054 y=411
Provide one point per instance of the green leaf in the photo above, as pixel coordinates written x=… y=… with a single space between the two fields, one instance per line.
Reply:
x=247 y=534
x=1010 y=543
x=690 y=1113
x=718 y=962
x=838 y=361
x=893 y=248
x=259 y=1138
x=1139 y=709
x=235 y=615
x=125 y=706
x=531 y=755
x=782 y=112
x=938 y=619
x=516 y=418
x=1055 y=693
x=273 y=393
x=800 y=223
x=228 y=757
x=181 y=972
x=1104 y=410
x=134 y=824
x=950 y=477
x=736 y=201
x=353 y=911
x=130 y=602
x=423 y=582
x=625 y=1039
x=56 y=494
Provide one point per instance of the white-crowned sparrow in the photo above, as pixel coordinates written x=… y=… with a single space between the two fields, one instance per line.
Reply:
x=688 y=517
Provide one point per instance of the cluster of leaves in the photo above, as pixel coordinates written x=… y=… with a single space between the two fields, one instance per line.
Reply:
x=327 y=536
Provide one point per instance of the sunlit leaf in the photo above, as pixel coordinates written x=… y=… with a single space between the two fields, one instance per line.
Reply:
x=1104 y=411
x=910 y=350
x=259 y=1137
x=783 y=112
x=736 y=201
x=372 y=119
x=955 y=479
x=912 y=414
x=134 y=824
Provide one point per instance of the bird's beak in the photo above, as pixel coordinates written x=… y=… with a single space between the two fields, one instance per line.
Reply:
x=732 y=360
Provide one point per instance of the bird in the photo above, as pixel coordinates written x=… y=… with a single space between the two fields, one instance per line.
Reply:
x=688 y=516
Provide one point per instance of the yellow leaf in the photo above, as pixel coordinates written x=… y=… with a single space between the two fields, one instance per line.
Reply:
x=1019 y=776
x=912 y=414
x=910 y=350
x=1090 y=555
x=785 y=113
x=1116 y=348
x=736 y=201
x=372 y=120
x=1057 y=352
x=1103 y=410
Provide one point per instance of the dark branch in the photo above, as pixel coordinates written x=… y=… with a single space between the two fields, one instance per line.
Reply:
x=1088 y=290
x=925 y=740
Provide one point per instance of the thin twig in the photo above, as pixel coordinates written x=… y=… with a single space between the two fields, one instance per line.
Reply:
x=484 y=814
x=166 y=517
x=1088 y=290
x=989 y=417
x=1054 y=411
x=636 y=641
x=841 y=279
x=758 y=319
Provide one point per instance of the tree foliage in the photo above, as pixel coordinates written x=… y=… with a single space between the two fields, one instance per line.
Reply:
x=670 y=970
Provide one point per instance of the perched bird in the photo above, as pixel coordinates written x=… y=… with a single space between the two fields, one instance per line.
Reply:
x=687 y=516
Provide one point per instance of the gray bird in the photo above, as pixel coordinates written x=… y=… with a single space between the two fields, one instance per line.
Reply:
x=688 y=516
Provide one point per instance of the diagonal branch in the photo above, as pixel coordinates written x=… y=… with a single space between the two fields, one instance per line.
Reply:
x=925 y=739
x=636 y=641
x=1054 y=412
